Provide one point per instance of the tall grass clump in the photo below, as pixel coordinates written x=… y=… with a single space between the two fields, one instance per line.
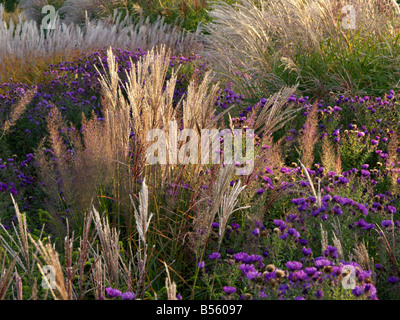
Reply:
x=265 y=45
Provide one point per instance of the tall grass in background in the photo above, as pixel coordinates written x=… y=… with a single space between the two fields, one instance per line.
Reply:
x=185 y=13
x=26 y=49
x=264 y=45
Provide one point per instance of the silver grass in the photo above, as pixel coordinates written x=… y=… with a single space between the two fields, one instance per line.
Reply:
x=109 y=239
x=20 y=41
x=141 y=216
x=229 y=202
x=170 y=286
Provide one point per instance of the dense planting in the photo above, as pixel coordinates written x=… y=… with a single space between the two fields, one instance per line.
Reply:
x=317 y=217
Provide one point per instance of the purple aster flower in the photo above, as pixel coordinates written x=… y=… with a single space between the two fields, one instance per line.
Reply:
x=214 y=256
x=128 y=296
x=294 y=265
x=322 y=263
x=240 y=256
x=391 y=209
x=386 y=223
x=378 y=266
x=260 y=191
x=113 y=293
x=235 y=226
x=357 y=291
x=303 y=242
x=306 y=251
x=229 y=290
x=393 y=280
x=293 y=232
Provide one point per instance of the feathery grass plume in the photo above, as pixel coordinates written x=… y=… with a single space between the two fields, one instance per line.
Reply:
x=34 y=290
x=337 y=237
x=70 y=274
x=20 y=242
x=50 y=256
x=338 y=245
x=142 y=225
x=229 y=202
x=324 y=238
x=308 y=137
x=210 y=205
x=109 y=85
x=362 y=256
x=338 y=167
x=271 y=43
x=328 y=157
x=17 y=110
x=84 y=245
x=6 y=274
x=199 y=105
x=18 y=285
x=109 y=240
x=152 y=107
x=316 y=193
x=392 y=159
x=98 y=279
x=169 y=285
x=276 y=112
x=14 y=16
x=141 y=215
x=61 y=183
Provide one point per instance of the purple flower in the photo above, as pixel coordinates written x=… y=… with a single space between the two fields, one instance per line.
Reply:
x=365 y=173
x=293 y=232
x=128 y=296
x=393 y=280
x=252 y=258
x=357 y=291
x=260 y=191
x=214 y=256
x=310 y=271
x=386 y=223
x=240 y=256
x=235 y=226
x=113 y=293
x=201 y=265
x=229 y=290
x=322 y=263
x=378 y=266
x=306 y=251
x=294 y=265
x=391 y=209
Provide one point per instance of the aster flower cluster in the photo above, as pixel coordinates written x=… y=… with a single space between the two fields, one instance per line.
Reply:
x=115 y=293
x=255 y=278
